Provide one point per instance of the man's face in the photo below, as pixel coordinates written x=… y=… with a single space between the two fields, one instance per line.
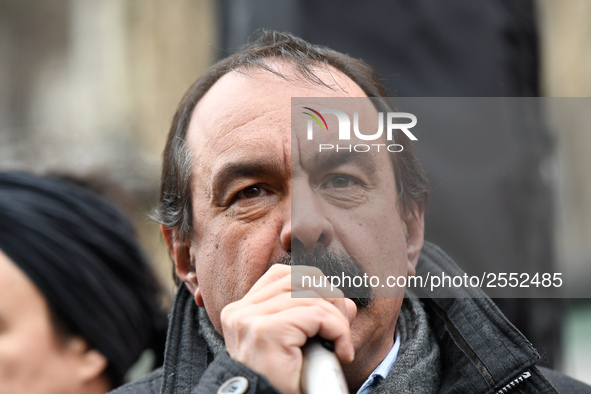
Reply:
x=258 y=188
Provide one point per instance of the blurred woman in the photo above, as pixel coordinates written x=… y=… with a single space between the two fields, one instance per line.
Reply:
x=78 y=299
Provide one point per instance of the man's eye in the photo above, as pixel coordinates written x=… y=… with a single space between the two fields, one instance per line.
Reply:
x=251 y=192
x=339 y=181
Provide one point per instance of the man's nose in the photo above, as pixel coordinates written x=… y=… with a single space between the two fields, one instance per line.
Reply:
x=309 y=225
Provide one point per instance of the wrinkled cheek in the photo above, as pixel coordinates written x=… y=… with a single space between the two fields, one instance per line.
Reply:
x=235 y=257
x=256 y=254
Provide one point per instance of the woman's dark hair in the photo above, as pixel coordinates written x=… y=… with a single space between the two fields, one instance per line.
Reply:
x=83 y=255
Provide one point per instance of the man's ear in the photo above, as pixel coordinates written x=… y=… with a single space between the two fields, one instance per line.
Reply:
x=415 y=232
x=180 y=252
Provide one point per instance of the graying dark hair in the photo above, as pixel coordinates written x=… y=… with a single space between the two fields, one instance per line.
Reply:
x=174 y=210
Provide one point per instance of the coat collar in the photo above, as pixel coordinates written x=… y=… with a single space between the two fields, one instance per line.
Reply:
x=476 y=339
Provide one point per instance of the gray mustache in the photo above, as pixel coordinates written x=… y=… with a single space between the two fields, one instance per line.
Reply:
x=333 y=265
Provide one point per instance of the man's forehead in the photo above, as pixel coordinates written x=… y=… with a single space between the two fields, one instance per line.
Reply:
x=241 y=96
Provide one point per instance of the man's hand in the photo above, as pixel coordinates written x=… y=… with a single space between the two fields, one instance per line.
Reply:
x=267 y=328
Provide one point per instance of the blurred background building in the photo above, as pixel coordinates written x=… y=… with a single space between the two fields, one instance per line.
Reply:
x=91 y=86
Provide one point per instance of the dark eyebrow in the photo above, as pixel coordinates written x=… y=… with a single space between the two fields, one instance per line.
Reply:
x=253 y=168
x=325 y=161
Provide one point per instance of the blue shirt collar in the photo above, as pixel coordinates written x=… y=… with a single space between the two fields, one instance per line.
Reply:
x=383 y=369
